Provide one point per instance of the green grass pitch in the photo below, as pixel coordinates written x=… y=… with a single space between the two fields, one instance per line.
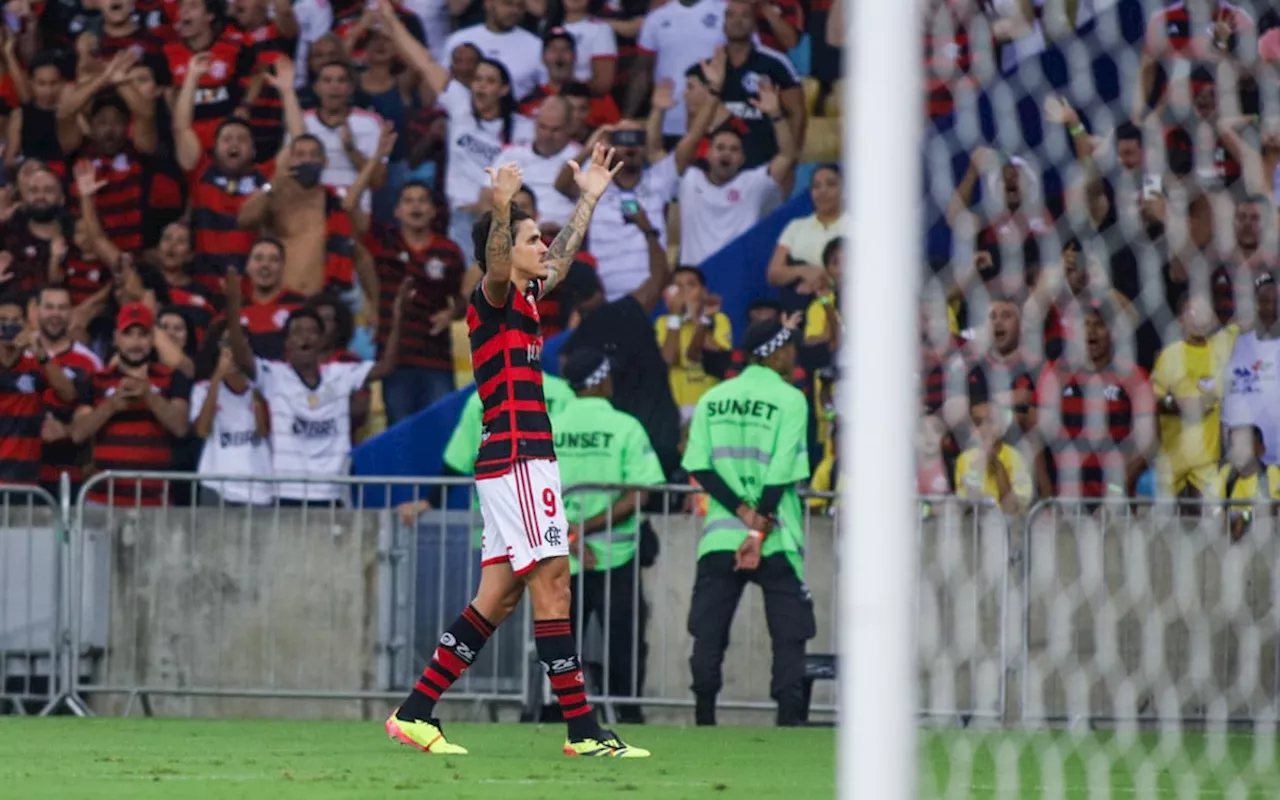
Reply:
x=104 y=759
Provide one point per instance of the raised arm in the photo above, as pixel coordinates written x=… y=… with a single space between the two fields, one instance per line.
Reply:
x=713 y=70
x=236 y=338
x=507 y=180
x=649 y=292
x=76 y=97
x=351 y=203
x=186 y=141
x=770 y=105
x=390 y=357
x=89 y=185
x=591 y=182
x=411 y=50
x=282 y=76
x=286 y=22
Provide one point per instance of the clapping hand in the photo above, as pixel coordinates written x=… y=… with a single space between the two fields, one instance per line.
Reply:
x=598 y=174
x=386 y=140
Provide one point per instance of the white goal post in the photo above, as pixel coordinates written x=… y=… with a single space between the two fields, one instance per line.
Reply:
x=878 y=564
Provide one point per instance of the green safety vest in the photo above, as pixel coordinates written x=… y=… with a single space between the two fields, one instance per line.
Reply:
x=464 y=444
x=596 y=443
x=753 y=430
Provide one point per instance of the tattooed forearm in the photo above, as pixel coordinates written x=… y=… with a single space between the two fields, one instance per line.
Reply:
x=566 y=244
x=497 y=250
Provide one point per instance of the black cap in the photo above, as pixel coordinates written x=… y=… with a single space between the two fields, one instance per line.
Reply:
x=559 y=33
x=586 y=368
x=764 y=338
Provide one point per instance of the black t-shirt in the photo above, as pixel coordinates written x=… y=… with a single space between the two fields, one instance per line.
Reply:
x=641 y=387
x=581 y=283
x=741 y=84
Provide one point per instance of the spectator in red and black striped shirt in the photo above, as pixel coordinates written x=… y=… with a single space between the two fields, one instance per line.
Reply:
x=25 y=372
x=123 y=167
x=269 y=304
x=1097 y=417
x=26 y=239
x=122 y=29
x=270 y=39
x=131 y=412
x=79 y=363
x=411 y=249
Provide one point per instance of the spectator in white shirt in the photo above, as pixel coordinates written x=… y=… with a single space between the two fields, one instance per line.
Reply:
x=482 y=121
x=228 y=414
x=310 y=401
x=720 y=201
x=595 y=44
x=647 y=182
x=349 y=135
x=543 y=158
x=500 y=38
x=674 y=37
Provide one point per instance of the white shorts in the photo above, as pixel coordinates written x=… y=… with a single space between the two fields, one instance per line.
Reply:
x=523 y=513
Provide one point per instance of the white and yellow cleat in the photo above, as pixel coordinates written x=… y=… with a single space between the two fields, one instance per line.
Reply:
x=605 y=744
x=425 y=735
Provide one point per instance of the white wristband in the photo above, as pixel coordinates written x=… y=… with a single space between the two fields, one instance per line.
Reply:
x=757 y=535
x=704 y=320
x=673 y=322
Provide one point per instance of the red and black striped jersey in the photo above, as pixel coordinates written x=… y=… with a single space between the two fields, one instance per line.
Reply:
x=948 y=60
x=122 y=203
x=81 y=275
x=436 y=269
x=216 y=200
x=199 y=303
x=221 y=88
x=147 y=44
x=266 y=116
x=1173 y=31
x=264 y=323
x=340 y=246
x=133 y=440
x=79 y=363
x=1087 y=418
x=22 y=388
x=506 y=358
x=30 y=253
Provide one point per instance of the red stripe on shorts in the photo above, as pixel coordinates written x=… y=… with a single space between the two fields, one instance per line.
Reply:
x=521 y=474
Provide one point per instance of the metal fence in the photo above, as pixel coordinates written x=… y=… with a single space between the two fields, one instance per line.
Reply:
x=1098 y=611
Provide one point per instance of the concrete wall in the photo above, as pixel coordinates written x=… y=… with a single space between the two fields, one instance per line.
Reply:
x=1127 y=615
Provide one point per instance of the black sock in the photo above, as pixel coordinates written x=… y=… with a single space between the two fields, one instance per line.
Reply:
x=459 y=646
x=559 y=657
x=705 y=710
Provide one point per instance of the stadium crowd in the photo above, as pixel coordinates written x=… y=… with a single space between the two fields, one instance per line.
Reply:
x=301 y=178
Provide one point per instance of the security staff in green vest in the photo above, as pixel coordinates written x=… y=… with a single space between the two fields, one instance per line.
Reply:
x=748 y=448
x=597 y=444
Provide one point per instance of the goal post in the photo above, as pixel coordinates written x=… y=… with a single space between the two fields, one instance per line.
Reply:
x=877 y=553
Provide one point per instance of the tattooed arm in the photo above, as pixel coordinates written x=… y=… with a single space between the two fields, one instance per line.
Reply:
x=591 y=180
x=565 y=246
x=496 y=263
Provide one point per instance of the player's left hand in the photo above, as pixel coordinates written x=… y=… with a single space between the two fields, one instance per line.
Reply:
x=748 y=555
x=594 y=178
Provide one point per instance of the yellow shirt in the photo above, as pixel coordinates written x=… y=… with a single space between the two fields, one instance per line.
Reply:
x=689 y=380
x=815 y=321
x=971 y=484
x=1190 y=371
x=1246 y=488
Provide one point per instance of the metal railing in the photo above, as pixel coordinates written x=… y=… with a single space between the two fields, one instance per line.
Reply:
x=1093 y=611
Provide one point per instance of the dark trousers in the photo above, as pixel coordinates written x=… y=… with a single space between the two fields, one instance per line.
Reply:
x=788 y=610
x=623 y=616
x=408 y=390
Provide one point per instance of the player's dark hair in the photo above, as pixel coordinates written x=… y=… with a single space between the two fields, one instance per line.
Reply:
x=307 y=137
x=416 y=184
x=14 y=299
x=344 y=325
x=728 y=128
x=190 y=348
x=575 y=89
x=689 y=269
x=763 y=304
x=507 y=105
x=480 y=233
x=339 y=63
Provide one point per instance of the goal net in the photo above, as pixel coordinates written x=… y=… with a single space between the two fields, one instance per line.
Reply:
x=1099 y=412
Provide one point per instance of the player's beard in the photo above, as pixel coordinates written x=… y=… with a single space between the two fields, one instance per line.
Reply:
x=133 y=364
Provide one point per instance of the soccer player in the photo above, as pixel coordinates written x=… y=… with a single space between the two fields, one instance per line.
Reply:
x=526 y=535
